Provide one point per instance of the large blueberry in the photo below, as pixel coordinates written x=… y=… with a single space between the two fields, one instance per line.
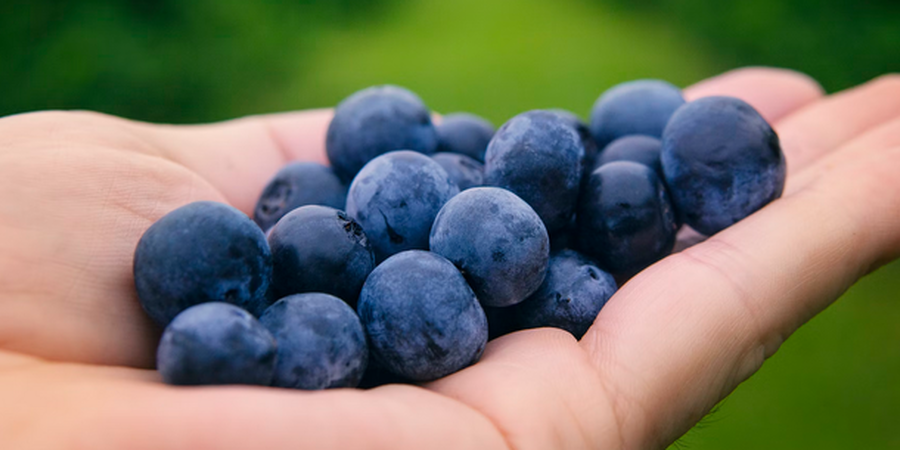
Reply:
x=298 y=184
x=464 y=133
x=216 y=343
x=321 y=342
x=625 y=220
x=637 y=148
x=496 y=240
x=464 y=171
x=375 y=121
x=395 y=198
x=537 y=155
x=422 y=319
x=722 y=162
x=584 y=132
x=202 y=252
x=571 y=296
x=319 y=249
x=634 y=107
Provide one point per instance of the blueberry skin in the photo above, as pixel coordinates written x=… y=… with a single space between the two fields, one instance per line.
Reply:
x=637 y=148
x=216 y=343
x=571 y=296
x=587 y=140
x=538 y=157
x=298 y=184
x=422 y=319
x=722 y=162
x=321 y=342
x=634 y=107
x=375 y=121
x=625 y=220
x=496 y=240
x=202 y=252
x=464 y=171
x=395 y=198
x=319 y=249
x=464 y=133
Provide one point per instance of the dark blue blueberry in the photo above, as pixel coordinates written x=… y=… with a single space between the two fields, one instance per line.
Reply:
x=321 y=342
x=422 y=319
x=496 y=240
x=216 y=343
x=570 y=297
x=637 y=148
x=464 y=133
x=202 y=252
x=587 y=140
x=464 y=171
x=722 y=162
x=319 y=249
x=635 y=107
x=538 y=156
x=375 y=121
x=298 y=184
x=395 y=198
x=625 y=220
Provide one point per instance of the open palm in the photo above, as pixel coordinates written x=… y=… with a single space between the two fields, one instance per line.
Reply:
x=79 y=189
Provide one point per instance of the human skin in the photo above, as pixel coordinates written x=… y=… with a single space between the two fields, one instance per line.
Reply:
x=80 y=188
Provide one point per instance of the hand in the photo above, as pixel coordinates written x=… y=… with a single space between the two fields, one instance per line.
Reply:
x=80 y=188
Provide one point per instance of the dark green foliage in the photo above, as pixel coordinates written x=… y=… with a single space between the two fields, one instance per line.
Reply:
x=163 y=60
x=841 y=43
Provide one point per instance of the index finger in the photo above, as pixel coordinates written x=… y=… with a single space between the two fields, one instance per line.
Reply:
x=681 y=335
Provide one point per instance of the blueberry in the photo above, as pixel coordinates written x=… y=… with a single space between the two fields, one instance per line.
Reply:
x=496 y=240
x=216 y=343
x=625 y=220
x=635 y=107
x=298 y=184
x=538 y=156
x=722 y=162
x=465 y=134
x=321 y=342
x=637 y=148
x=422 y=319
x=319 y=249
x=395 y=198
x=201 y=252
x=464 y=171
x=571 y=296
x=587 y=140
x=375 y=121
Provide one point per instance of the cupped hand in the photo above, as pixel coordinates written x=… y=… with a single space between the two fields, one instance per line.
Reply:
x=78 y=189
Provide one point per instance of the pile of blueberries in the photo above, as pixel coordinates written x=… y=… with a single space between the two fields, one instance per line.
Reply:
x=447 y=235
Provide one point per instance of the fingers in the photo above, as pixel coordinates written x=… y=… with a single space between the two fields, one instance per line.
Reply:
x=775 y=93
x=239 y=157
x=540 y=390
x=884 y=136
x=823 y=127
x=73 y=406
x=681 y=335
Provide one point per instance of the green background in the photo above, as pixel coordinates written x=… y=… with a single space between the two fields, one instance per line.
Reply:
x=834 y=384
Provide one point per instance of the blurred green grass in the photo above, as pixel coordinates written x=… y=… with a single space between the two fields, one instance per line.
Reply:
x=832 y=385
